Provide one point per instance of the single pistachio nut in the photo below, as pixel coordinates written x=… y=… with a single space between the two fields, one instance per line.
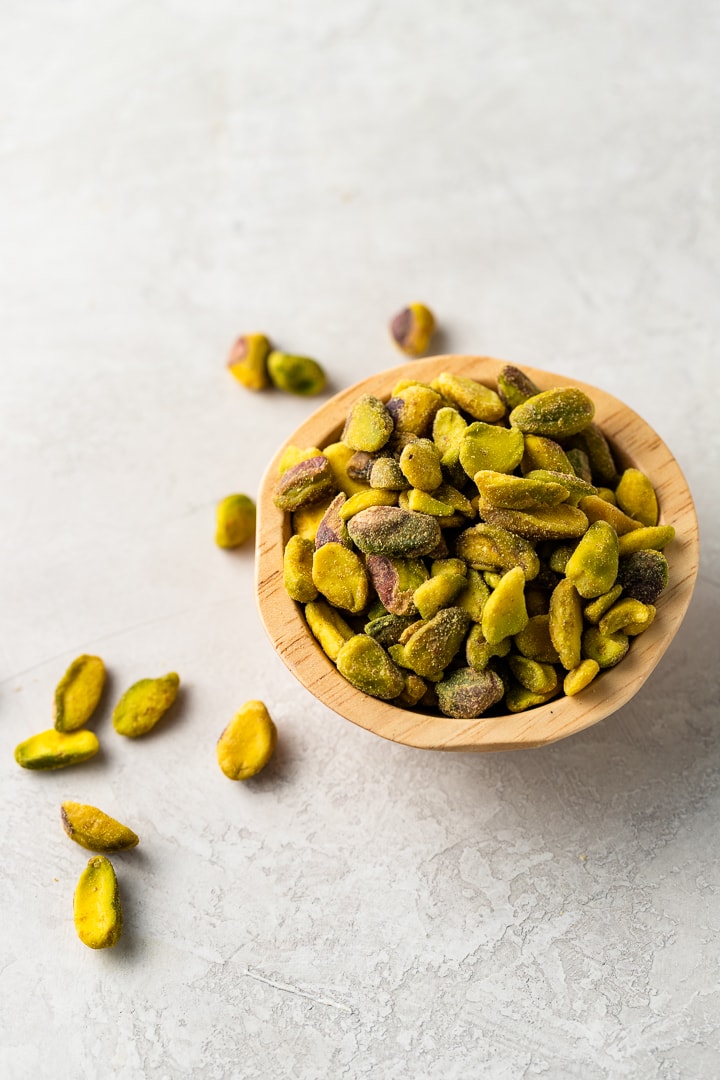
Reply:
x=554 y=413
x=420 y=465
x=424 y=503
x=395 y=580
x=575 y=484
x=78 y=693
x=332 y=528
x=515 y=387
x=473 y=397
x=247 y=743
x=362 y=500
x=368 y=426
x=414 y=690
x=533 y=675
x=433 y=645
x=438 y=592
x=297 y=570
x=307 y=482
x=447 y=432
x=544 y=454
x=518 y=698
x=144 y=704
x=652 y=536
x=340 y=575
x=561 y=522
x=328 y=627
x=580 y=677
x=474 y=596
x=248 y=361
x=97 y=910
x=306 y=519
x=389 y=530
x=235 y=521
x=516 y=492
x=387 y=475
x=489 y=547
x=595 y=610
x=597 y=508
x=467 y=693
x=636 y=496
x=340 y=455
x=387 y=629
x=293 y=455
x=412 y=328
x=365 y=664
x=295 y=374
x=413 y=408
x=565 y=623
x=593 y=565
x=630 y=616
x=56 y=749
x=580 y=463
x=605 y=649
x=479 y=652
x=505 y=613
x=359 y=466
x=485 y=446
x=535 y=642
x=95 y=830
x=643 y=575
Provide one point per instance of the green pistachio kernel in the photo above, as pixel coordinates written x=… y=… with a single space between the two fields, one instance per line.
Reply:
x=435 y=643
x=652 y=536
x=560 y=556
x=467 y=693
x=362 y=500
x=630 y=616
x=328 y=627
x=368 y=426
x=307 y=482
x=489 y=547
x=580 y=463
x=593 y=566
x=387 y=474
x=297 y=569
x=248 y=361
x=395 y=581
x=474 y=596
x=56 y=749
x=332 y=528
x=596 y=508
x=636 y=496
x=413 y=408
x=562 y=522
x=295 y=374
x=438 y=592
x=78 y=693
x=448 y=430
x=144 y=704
x=425 y=503
x=533 y=675
x=97 y=909
x=448 y=566
x=340 y=575
x=545 y=455
x=535 y=642
x=485 y=446
x=505 y=613
x=595 y=610
x=554 y=413
x=592 y=441
x=479 y=651
x=643 y=575
x=472 y=397
x=518 y=698
x=580 y=677
x=387 y=629
x=565 y=623
x=605 y=649
x=365 y=664
x=515 y=387
x=518 y=493
x=235 y=518
x=389 y=530
x=420 y=465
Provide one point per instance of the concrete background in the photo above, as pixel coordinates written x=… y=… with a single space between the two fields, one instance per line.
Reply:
x=545 y=175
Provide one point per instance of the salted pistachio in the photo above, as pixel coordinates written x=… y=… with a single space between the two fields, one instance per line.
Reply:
x=580 y=463
x=248 y=742
x=369 y=425
x=605 y=649
x=514 y=386
x=433 y=645
x=339 y=574
x=332 y=528
x=420 y=465
x=78 y=693
x=652 y=536
x=474 y=596
x=473 y=397
x=593 y=565
x=636 y=496
x=580 y=677
x=387 y=474
x=362 y=500
x=608 y=495
x=56 y=749
x=577 y=487
x=297 y=570
x=486 y=446
x=144 y=704
x=414 y=626
x=97 y=910
x=412 y=328
x=389 y=530
x=413 y=408
x=339 y=455
x=559 y=522
x=360 y=465
x=438 y=592
x=544 y=454
x=95 y=830
x=295 y=374
x=602 y=465
x=424 y=503
x=492 y=578
x=554 y=413
x=534 y=641
x=560 y=556
x=365 y=664
x=235 y=521
x=505 y=613
x=643 y=575
x=395 y=581
x=489 y=547
x=565 y=623
x=306 y=519
x=596 y=508
x=293 y=455
x=467 y=693
x=414 y=690
x=479 y=651
x=307 y=482
x=460 y=503
x=387 y=629
x=533 y=675
x=328 y=627
x=448 y=566
x=516 y=492
x=630 y=616
x=595 y=610
x=247 y=361
x=448 y=430
x=518 y=698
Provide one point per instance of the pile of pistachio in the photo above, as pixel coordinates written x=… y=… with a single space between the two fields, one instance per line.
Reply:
x=463 y=548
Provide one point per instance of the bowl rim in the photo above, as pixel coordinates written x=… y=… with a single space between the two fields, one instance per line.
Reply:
x=635 y=442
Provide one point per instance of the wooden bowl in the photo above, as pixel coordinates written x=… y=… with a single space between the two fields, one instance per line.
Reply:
x=634 y=443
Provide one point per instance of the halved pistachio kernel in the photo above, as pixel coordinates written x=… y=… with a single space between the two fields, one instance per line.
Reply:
x=413 y=408
x=95 y=830
x=643 y=575
x=518 y=493
x=518 y=698
x=605 y=649
x=593 y=565
x=434 y=645
x=598 y=509
x=369 y=425
x=56 y=749
x=630 y=616
x=412 y=328
x=636 y=496
x=473 y=397
x=295 y=374
x=577 y=487
x=420 y=465
x=247 y=361
x=332 y=528
x=534 y=675
x=592 y=441
x=307 y=482
x=297 y=570
x=306 y=519
x=362 y=500
x=485 y=446
x=328 y=627
x=395 y=581
x=535 y=642
x=448 y=566
x=505 y=613
x=580 y=677
x=339 y=456
x=389 y=530
x=424 y=503
x=144 y=704
x=387 y=474
x=293 y=455
x=365 y=664
x=467 y=693
x=448 y=430
x=474 y=596
x=78 y=693
x=387 y=629
x=479 y=651
x=653 y=536
x=438 y=592
x=561 y=522
x=544 y=454
x=565 y=623
x=515 y=387
x=490 y=547
x=595 y=610
x=580 y=463
x=555 y=413
x=414 y=690
x=97 y=910
x=248 y=742
x=235 y=521
x=340 y=575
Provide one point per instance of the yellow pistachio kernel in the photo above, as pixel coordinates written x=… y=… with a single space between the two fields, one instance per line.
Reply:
x=247 y=361
x=144 y=704
x=235 y=516
x=340 y=575
x=78 y=693
x=95 y=830
x=247 y=743
x=412 y=328
x=97 y=909
x=56 y=749
x=580 y=677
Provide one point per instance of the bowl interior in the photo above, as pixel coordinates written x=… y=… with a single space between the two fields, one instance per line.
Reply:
x=634 y=443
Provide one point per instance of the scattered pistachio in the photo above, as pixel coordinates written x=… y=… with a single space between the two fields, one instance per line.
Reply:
x=248 y=361
x=247 y=743
x=56 y=749
x=235 y=518
x=295 y=374
x=78 y=693
x=95 y=830
x=96 y=906
x=144 y=704
x=412 y=328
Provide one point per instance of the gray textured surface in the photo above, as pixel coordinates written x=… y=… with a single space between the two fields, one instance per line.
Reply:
x=546 y=175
